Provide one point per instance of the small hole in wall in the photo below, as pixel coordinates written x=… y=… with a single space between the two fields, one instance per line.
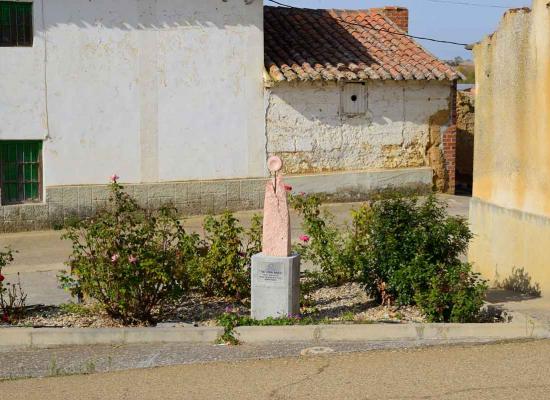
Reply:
x=354 y=98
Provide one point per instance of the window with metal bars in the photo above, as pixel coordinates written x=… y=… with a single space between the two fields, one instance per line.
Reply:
x=20 y=171
x=15 y=24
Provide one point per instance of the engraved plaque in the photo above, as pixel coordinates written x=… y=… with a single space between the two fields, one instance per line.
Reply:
x=270 y=274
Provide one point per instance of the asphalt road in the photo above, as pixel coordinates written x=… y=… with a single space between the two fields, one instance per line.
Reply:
x=498 y=371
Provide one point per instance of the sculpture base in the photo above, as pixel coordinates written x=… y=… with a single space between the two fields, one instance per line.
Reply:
x=275 y=286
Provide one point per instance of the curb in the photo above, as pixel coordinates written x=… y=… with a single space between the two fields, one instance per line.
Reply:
x=524 y=328
x=378 y=333
x=47 y=337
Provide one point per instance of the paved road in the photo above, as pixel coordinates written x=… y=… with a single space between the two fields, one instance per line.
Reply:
x=41 y=255
x=69 y=360
x=502 y=371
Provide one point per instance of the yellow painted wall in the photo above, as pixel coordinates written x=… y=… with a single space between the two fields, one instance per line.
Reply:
x=512 y=146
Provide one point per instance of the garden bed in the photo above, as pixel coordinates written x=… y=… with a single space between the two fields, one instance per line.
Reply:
x=345 y=304
x=348 y=304
x=141 y=268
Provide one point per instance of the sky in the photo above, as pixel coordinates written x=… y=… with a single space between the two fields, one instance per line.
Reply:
x=435 y=18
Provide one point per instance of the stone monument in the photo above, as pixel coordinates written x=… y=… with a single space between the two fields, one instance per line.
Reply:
x=275 y=271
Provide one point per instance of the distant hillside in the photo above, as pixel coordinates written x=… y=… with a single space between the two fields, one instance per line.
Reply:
x=466 y=67
x=468 y=70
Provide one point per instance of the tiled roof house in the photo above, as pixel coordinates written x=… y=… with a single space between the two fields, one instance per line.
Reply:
x=349 y=90
x=352 y=45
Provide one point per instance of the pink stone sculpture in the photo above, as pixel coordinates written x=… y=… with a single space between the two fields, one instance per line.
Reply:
x=276 y=230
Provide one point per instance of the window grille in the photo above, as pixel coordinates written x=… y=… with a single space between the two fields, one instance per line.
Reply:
x=20 y=171
x=15 y=24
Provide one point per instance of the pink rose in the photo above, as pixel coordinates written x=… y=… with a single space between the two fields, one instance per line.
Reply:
x=132 y=259
x=115 y=258
x=304 y=238
x=115 y=178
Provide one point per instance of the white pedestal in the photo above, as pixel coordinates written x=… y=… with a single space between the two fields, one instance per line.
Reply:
x=275 y=286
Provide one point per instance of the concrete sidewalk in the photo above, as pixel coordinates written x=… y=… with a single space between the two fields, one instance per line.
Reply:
x=41 y=255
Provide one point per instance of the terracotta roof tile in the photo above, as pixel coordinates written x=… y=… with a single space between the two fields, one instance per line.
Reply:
x=306 y=44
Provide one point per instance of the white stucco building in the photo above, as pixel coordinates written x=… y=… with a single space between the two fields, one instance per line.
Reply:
x=175 y=97
x=147 y=89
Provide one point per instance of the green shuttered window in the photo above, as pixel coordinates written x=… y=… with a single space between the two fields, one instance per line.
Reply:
x=20 y=171
x=15 y=24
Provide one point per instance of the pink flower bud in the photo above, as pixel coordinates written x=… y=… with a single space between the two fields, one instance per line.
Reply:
x=304 y=238
x=115 y=258
x=115 y=178
x=132 y=259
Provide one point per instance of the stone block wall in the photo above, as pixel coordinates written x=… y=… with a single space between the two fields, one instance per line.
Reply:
x=64 y=203
x=190 y=198
x=465 y=140
x=449 y=146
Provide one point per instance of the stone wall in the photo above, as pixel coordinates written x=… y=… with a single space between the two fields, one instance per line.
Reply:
x=64 y=203
x=190 y=198
x=465 y=140
x=402 y=127
x=510 y=213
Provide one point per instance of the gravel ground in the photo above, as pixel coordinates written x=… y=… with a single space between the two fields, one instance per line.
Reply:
x=351 y=303
x=347 y=303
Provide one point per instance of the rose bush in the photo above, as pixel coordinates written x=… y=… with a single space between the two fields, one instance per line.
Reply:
x=137 y=263
x=225 y=263
x=134 y=262
x=403 y=250
x=12 y=297
x=324 y=245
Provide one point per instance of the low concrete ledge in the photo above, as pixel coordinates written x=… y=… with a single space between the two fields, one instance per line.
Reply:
x=172 y=335
x=393 y=332
x=48 y=337
x=524 y=328
x=361 y=185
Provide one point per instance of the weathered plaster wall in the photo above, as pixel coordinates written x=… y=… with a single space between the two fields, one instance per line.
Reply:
x=22 y=87
x=147 y=89
x=401 y=128
x=511 y=207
